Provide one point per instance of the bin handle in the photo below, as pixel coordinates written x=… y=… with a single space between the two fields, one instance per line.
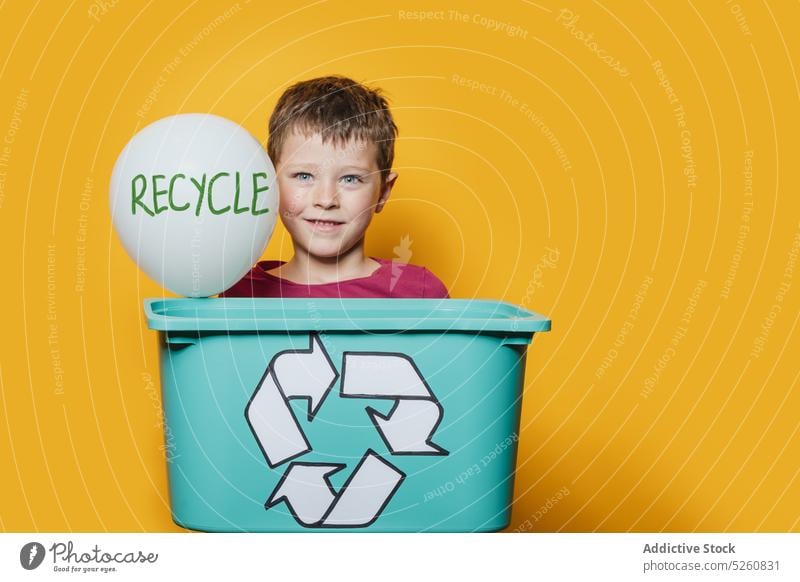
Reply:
x=179 y=340
x=517 y=340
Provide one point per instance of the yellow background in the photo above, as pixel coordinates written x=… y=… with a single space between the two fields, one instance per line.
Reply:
x=531 y=170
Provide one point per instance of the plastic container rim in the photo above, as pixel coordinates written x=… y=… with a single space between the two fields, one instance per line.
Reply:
x=300 y=314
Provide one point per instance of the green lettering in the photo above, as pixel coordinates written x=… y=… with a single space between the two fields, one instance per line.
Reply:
x=156 y=193
x=138 y=199
x=201 y=187
x=210 y=186
x=236 y=209
x=256 y=191
x=171 y=188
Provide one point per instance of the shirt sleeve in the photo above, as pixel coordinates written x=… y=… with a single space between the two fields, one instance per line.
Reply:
x=433 y=287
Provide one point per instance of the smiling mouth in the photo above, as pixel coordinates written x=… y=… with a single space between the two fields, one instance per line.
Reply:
x=323 y=222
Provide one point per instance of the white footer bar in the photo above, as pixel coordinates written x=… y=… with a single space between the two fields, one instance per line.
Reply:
x=385 y=557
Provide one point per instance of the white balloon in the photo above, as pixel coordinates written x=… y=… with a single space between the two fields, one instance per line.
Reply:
x=194 y=201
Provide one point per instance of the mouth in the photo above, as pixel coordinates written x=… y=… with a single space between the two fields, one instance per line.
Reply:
x=324 y=225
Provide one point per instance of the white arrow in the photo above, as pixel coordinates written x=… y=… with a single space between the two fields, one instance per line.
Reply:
x=365 y=494
x=382 y=376
x=306 y=374
x=290 y=374
x=409 y=427
x=273 y=424
x=306 y=490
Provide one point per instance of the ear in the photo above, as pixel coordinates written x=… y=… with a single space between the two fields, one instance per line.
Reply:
x=386 y=189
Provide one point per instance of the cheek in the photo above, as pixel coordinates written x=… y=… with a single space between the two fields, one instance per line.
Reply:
x=364 y=206
x=292 y=202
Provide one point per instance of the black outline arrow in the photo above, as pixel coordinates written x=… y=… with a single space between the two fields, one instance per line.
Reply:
x=337 y=497
x=287 y=496
x=312 y=410
x=374 y=414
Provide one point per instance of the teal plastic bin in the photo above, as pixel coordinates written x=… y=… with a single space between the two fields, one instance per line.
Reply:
x=297 y=415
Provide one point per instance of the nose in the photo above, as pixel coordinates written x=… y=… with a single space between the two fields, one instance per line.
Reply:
x=325 y=196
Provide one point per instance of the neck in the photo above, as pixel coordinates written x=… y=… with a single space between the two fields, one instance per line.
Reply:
x=308 y=269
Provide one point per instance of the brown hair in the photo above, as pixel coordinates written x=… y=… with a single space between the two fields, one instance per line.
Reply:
x=339 y=109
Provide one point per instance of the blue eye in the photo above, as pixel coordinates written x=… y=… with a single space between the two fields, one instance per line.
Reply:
x=302 y=176
x=352 y=179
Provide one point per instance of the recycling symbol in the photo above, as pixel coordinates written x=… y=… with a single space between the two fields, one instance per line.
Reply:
x=407 y=429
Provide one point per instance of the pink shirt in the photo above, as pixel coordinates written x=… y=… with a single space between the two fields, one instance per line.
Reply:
x=391 y=279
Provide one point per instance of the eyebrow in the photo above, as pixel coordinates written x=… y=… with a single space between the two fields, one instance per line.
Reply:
x=300 y=165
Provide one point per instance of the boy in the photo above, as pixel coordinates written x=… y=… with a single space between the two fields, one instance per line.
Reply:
x=332 y=142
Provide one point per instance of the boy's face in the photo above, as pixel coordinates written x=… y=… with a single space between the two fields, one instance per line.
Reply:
x=338 y=185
